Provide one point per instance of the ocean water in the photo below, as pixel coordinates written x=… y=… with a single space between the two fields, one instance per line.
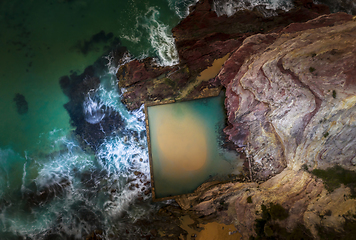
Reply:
x=73 y=160
x=51 y=187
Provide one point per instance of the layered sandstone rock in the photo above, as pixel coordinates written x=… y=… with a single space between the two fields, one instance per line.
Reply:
x=290 y=96
x=291 y=106
x=291 y=101
x=201 y=38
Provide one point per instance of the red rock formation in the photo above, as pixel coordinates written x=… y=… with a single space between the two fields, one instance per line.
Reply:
x=201 y=38
x=290 y=99
x=290 y=95
x=279 y=85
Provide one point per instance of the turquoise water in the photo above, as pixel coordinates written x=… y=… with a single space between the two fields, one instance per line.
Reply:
x=50 y=188
x=187 y=145
x=75 y=161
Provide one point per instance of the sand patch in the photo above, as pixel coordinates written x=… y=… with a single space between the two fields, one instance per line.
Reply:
x=213 y=70
x=181 y=142
x=206 y=75
x=210 y=231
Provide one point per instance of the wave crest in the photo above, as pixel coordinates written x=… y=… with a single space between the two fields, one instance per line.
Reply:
x=161 y=39
x=230 y=7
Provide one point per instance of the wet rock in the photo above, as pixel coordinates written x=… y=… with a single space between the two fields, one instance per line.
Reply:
x=154 y=232
x=91 y=118
x=91 y=179
x=85 y=214
x=21 y=104
x=139 y=70
x=38 y=196
x=138 y=173
x=148 y=191
x=96 y=235
x=201 y=38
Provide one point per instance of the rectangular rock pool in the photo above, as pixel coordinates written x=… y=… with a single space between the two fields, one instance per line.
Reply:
x=186 y=146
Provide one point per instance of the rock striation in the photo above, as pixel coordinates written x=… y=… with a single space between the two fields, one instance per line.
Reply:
x=290 y=98
x=282 y=89
x=200 y=39
x=291 y=109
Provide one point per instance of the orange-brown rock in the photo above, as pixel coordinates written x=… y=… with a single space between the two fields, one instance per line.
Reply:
x=291 y=98
x=201 y=38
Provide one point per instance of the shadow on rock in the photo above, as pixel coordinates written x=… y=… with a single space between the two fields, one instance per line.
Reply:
x=91 y=118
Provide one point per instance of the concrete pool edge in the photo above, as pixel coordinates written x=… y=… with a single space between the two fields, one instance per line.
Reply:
x=157 y=103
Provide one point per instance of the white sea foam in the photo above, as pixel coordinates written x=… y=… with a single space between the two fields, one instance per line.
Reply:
x=93 y=108
x=181 y=7
x=119 y=158
x=160 y=38
x=111 y=65
x=109 y=96
x=150 y=30
x=124 y=158
x=230 y=7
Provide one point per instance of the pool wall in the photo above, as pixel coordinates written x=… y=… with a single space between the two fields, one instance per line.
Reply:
x=185 y=149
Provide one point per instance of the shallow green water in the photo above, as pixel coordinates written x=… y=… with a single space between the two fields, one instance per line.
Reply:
x=41 y=41
x=186 y=144
x=51 y=187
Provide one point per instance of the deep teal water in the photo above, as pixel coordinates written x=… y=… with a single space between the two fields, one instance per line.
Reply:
x=50 y=188
x=51 y=185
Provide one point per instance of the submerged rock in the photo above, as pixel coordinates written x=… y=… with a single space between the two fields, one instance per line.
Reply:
x=93 y=121
x=37 y=196
x=21 y=104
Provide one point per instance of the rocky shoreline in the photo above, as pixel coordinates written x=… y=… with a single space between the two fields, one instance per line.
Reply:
x=290 y=99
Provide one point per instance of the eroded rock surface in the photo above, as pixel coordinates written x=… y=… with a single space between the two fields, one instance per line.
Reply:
x=291 y=103
x=288 y=95
x=200 y=39
x=290 y=100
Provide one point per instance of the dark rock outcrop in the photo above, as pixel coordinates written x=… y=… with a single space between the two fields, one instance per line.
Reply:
x=201 y=38
x=290 y=100
x=37 y=196
x=92 y=120
x=21 y=104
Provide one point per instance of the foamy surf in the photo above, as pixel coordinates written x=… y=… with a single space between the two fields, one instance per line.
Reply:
x=181 y=7
x=161 y=39
x=230 y=7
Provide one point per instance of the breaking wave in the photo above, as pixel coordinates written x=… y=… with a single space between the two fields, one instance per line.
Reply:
x=93 y=108
x=230 y=7
x=160 y=38
x=68 y=193
x=181 y=7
